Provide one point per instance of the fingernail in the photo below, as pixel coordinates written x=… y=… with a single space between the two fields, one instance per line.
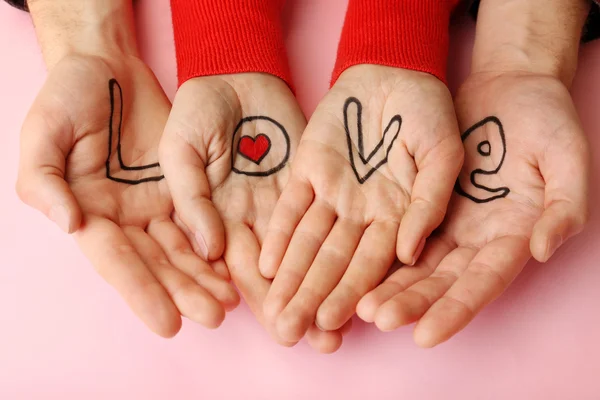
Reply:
x=59 y=214
x=553 y=245
x=418 y=251
x=201 y=245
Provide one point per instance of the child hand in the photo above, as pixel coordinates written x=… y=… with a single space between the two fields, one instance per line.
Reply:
x=88 y=161
x=377 y=162
x=522 y=191
x=225 y=153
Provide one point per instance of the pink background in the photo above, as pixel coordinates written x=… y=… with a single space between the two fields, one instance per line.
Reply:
x=65 y=334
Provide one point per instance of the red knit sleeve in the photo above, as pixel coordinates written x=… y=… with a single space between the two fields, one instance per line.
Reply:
x=411 y=34
x=215 y=37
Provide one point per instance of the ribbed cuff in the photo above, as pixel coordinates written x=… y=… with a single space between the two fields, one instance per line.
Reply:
x=410 y=34
x=214 y=37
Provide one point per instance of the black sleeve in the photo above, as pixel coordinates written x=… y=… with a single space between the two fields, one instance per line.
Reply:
x=590 y=32
x=20 y=4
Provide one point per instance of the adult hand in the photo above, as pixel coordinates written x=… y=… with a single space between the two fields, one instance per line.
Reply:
x=88 y=161
x=523 y=189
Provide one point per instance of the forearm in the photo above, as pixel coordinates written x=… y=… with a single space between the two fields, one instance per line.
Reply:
x=410 y=34
x=90 y=27
x=535 y=36
x=215 y=37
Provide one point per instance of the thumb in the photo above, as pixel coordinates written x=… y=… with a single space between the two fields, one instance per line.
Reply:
x=565 y=170
x=182 y=160
x=46 y=140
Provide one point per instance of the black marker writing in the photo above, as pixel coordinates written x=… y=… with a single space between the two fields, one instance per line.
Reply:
x=481 y=193
x=268 y=152
x=114 y=127
x=379 y=154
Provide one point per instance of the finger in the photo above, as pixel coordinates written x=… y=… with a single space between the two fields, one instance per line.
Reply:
x=46 y=141
x=486 y=277
x=566 y=172
x=182 y=158
x=218 y=266
x=404 y=277
x=304 y=246
x=327 y=342
x=325 y=273
x=291 y=207
x=116 y=260
x=241 y=256
x=192 y=300
x=438 y=170
x=373 y=258
x=179 y=252
x=560 y=221
x=410 y=304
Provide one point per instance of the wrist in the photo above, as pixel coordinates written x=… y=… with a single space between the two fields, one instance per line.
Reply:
x=535 y=36
x=102 y=28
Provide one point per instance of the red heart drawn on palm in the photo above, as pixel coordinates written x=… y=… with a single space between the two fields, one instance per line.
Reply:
x=254 y=149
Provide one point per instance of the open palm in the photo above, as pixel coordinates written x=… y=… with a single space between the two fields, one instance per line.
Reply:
x=372 y=179
x=522 y=192
x=89 y=152
x=225 y=154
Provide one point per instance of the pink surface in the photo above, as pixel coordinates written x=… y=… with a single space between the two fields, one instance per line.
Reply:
x=65 y=334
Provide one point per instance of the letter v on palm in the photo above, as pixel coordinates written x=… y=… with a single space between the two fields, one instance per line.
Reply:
x=355 y=140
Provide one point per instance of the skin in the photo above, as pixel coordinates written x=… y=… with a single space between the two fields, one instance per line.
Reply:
x=481 y=248
x=126 y=231
x=332 y=239
x=228 y=211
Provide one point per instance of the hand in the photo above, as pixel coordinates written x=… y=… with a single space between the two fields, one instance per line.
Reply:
x=523 y=188
x=225 y=153
x=376 y=166
x=522 y=191
x=88 y=153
